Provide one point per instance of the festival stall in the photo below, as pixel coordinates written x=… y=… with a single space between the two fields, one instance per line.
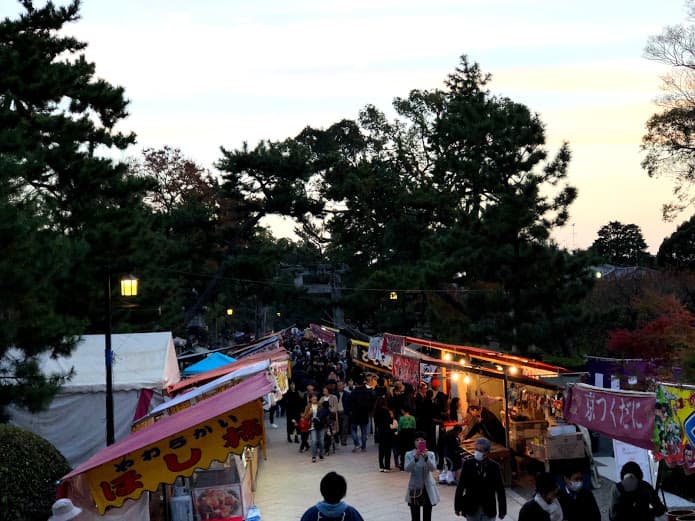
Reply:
x=195 y=443
x=516 y=390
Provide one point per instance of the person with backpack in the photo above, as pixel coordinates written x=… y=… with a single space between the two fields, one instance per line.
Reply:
x=333 y=489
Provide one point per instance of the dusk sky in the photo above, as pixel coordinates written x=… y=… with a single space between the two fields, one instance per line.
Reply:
x=209 y=73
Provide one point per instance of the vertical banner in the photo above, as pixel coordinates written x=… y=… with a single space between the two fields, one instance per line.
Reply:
x=627 y=416
x=407 y=370
x=674 y=426
x=374 y=350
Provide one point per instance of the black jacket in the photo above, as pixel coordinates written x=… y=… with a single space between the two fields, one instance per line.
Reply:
x=641 y=505
x=532 y=511
x=361 y=404
x=579 y=506
x=477 y=487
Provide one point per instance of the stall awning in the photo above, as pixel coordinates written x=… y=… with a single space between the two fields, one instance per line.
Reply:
x=193 y=396
x=176 y=445
x=488 y=355
x=200 y=379
x=212 y=361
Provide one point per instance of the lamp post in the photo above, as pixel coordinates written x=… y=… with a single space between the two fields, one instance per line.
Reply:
x=129 y=288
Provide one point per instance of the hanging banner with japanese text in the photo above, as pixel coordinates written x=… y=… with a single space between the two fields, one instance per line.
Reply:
x=627 y=416
x=674 y=426
x=360 y=356
x=407 y=370
x=178 y=455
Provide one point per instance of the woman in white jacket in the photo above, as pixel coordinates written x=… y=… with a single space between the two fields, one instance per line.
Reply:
x=422 y=489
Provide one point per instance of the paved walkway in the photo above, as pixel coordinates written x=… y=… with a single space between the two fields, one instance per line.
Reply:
x=288 y=484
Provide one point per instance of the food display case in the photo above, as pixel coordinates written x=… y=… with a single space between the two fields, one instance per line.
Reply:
x=223 y=492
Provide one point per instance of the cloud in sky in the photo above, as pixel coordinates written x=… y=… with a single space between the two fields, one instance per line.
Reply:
x=212 y=73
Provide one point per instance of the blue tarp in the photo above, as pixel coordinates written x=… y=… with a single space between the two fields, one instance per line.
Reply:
x=213 y=361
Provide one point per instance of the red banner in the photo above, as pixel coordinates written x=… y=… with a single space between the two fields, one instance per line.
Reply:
x=393 y=344
x=323 y=334
x=406 y=369
x=627 y=416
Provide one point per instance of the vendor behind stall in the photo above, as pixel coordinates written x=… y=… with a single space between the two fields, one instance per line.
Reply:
x=484 y=423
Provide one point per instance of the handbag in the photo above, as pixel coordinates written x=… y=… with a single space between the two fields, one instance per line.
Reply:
x=416 y=496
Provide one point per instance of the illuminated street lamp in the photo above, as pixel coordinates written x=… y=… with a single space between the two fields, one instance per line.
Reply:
x=129 y=288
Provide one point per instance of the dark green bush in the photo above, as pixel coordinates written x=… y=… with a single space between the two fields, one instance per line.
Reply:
x=30 y=468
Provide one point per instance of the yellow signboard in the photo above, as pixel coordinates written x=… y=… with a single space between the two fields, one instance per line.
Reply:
x=178 y=455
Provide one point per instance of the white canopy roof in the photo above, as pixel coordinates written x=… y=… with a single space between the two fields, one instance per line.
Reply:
x=140 y=361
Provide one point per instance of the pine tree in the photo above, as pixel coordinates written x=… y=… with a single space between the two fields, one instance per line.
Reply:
x=69 y=210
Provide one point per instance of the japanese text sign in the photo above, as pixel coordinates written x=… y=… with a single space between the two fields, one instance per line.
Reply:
x=178 y=455
x=674 y=426
x=627 y=416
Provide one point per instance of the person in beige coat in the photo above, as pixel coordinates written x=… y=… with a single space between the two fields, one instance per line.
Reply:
x=422 y=493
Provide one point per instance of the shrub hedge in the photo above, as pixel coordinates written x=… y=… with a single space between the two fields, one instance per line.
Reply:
x=30 y=468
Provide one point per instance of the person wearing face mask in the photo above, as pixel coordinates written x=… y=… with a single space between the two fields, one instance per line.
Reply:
x=480 y=481
x=544 y=506
x=634 y=499
x=578 y=503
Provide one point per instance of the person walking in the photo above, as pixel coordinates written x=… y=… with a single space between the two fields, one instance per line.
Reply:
x=360 y=407
x=383 y=418
x=634 y=499
x=314 y=412
x=343 y=396
x=544 y=506
x=577 y=502
x=294 y=405
x=422 y=492
x=333 y=489
x=480 y=480
x=406 y=435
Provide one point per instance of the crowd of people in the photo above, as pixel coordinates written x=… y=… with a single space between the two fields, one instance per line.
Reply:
x=332 y=403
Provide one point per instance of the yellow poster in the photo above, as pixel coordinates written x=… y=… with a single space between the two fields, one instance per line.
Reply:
x=674 y=425
x=179 y=455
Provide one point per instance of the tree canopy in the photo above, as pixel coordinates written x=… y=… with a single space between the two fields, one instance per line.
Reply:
x=67 y=210
x=621 y=244
x=669 y=142
x=459 y=182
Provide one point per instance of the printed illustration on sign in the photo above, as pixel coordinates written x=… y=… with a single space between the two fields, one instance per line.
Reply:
x=674 y=426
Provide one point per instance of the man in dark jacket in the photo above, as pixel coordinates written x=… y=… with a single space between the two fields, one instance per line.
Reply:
x=343 y=396
x=578 y=503
x=361 y=404
x=479 y=483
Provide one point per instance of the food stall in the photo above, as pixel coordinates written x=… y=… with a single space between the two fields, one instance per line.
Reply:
x=194 y=443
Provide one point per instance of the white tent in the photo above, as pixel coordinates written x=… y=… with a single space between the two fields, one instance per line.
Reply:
x=76 y=420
